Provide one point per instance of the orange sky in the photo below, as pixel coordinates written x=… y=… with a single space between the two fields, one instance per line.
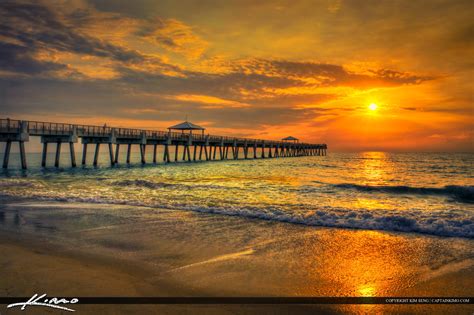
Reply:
x=263 y=69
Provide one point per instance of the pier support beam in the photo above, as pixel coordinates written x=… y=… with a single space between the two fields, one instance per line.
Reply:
x=188 y=153
x=129 y=152
x=226 y=152
x=59 y=137
x=111 y=155
x=6 y=157
x=17 y=133
x=96 y=154
x=166 y=154
x=58 y=154
x=234 y=150
x=22 y=155
x=72 y=152
x=142 y=152
x=45 y=152
x=184 y=154
x=117 y=150
x=84 y=153
x=155 y=147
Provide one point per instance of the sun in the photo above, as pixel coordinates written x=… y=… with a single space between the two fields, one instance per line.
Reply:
x=373 y=106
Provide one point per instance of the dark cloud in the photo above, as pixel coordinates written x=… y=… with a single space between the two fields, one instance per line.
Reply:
x=328 y=74
x=151 y=30
x=167 y=41
x=228 y=86
x=37 y=27
x=396 y=77
x=136 y=8
x=173 y=35
x=291 y=99
x=16 y=58
x=284 y=67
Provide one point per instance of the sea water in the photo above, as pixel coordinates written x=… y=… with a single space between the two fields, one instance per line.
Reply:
x=430 y=193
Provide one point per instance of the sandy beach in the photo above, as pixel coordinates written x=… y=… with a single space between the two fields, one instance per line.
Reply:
x=179 y=253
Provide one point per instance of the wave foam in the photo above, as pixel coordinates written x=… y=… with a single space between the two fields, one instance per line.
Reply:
x=460 y=193
x=155 y=185
x=439 y=223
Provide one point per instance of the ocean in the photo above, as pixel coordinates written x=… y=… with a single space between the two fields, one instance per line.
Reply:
x=427 y=193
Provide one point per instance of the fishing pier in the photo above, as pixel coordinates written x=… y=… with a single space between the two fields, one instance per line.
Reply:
x=190 y=146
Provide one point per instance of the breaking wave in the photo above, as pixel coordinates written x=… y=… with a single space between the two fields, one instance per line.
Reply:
x=155 y=185
x=439 y=223
x=460 y=193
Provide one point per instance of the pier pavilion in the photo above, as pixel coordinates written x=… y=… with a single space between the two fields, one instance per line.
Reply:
x=187 y=126
x=290 y=139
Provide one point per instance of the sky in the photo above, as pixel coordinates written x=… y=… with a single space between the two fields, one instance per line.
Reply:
x=257 y=69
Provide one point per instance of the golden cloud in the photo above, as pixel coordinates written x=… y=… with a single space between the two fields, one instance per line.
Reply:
x=209 y=101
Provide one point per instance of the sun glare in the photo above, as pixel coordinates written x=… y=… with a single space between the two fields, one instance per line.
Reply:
x=373 y=106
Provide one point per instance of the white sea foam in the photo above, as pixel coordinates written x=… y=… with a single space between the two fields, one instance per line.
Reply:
x=439 y=223
x=460 y=193
x=158 y=185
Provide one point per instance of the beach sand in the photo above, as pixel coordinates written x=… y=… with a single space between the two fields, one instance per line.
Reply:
x=103 y=250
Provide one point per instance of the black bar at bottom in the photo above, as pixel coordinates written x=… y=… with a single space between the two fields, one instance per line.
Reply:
x=256 y=300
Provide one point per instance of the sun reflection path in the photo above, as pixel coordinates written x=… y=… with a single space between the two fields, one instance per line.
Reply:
x=367 y=290
x=369 y=263
x=376 y=168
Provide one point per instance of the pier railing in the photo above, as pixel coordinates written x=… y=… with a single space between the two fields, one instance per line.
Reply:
x=39 y=128
x=9 y=126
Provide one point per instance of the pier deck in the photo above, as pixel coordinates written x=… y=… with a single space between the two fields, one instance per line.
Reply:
x=203 y=147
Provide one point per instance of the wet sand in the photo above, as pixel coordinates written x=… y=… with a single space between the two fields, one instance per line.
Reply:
x=102 y=250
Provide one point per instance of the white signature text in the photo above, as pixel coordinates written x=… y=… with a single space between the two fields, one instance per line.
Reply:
x=42 y=300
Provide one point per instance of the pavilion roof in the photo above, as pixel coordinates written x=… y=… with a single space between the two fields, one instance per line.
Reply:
x=186 y=125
